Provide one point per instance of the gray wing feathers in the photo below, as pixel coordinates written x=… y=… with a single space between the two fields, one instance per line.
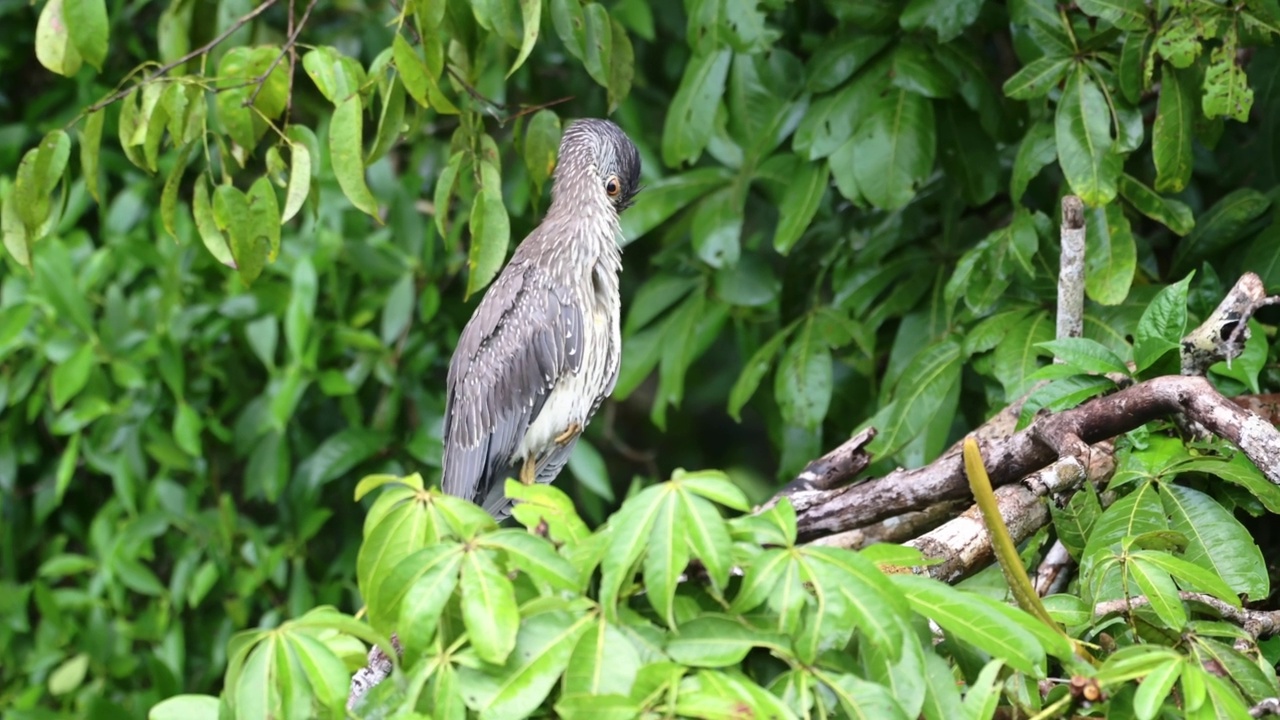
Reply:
x=523 y=337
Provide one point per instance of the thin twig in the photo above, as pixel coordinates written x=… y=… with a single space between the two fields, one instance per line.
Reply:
x=534 y=108
x=261 y=80
x=474 y=93
x=1258 y=623
x=164 y=69
x=293 y=66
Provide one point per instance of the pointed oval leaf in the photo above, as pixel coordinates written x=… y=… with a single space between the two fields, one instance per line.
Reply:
x=346 y=139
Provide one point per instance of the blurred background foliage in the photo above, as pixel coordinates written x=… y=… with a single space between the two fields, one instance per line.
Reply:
x=850 y=217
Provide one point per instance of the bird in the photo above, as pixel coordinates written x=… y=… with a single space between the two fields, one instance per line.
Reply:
x=542 y=350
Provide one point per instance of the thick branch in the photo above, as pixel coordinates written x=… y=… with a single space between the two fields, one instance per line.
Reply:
x=1008 y=460
x=963 y=544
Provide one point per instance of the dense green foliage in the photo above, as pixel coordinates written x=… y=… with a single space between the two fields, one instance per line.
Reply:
x=850 y=218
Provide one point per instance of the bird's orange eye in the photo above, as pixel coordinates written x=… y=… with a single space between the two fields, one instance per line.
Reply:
x=612 y=186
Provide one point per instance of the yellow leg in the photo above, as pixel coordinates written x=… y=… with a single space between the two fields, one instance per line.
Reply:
x=567 y=435
x=529 y=471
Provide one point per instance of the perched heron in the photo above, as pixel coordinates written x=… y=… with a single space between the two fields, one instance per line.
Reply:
x=542 y=350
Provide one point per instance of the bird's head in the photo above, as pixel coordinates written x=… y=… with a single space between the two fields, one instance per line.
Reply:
x=596 y=156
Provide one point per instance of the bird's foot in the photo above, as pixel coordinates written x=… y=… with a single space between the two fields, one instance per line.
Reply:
x=528 y=472
x=569 y=434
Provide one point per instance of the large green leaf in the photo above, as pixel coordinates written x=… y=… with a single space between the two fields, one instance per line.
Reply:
x=541 y=652
x=1209 y=528
x=1085 y=145
x=1111 y=255
x=1171 y=132
x=489 y=608
x=971 y=619
x=897 y=142
x=688 y=126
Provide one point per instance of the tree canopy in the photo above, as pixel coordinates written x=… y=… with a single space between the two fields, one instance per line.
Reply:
x=241 y=238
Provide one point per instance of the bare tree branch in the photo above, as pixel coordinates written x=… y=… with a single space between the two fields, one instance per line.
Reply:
x=1258 y=623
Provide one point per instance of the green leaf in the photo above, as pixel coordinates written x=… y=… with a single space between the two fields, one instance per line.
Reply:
x=834 y=62
x=489 y=608
x=588 y=467
x=897 y=141
x=1134 y=514
x=1171 y=131
x=1074 y=523
x=918 y=394
x=1171 y=213
x=800 y=203
x=1189 y=575
x=1111 y=255
x=185 y=707
x=753 y=372
x=629 y=531
x=689 y=120
x=1209 y=527
x=622 y=62
x=231 y=213
x=1226 y=89
x=542 y=651
x=87 y=27
x=803 y=383
x=531 y=14
x=668 y=196
x=948 y=18
x=1132 y=70
x=299 y=180
x=390 y=121
x=169 y=195
x=264 y=215
x=971 y=619
x=1162 y=594
x=1038 y=77
x=538 y=505
x=1162 y=325
x=1124 y=14
x=1088 y=355
x=534 y=556
x=830 y=121
x=1083 y=128
x=207 y=225
x=490 y=235
x=717 y=227
x=70 y=675
x=1238 y=470
x=346 y=138
x=541 y=144
x=917 y=70
x=1155 y=689
x=54 y=48
x=862 y=699
x=707 y=537
x=421 y=606
x=90 y=144
x=70 y=376
x=716 y=641
x=604 y=662
x=666 y=556
x=1219 y=228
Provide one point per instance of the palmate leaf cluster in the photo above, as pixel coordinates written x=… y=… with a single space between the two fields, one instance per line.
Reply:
x=227 y=293
x=513 y=622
